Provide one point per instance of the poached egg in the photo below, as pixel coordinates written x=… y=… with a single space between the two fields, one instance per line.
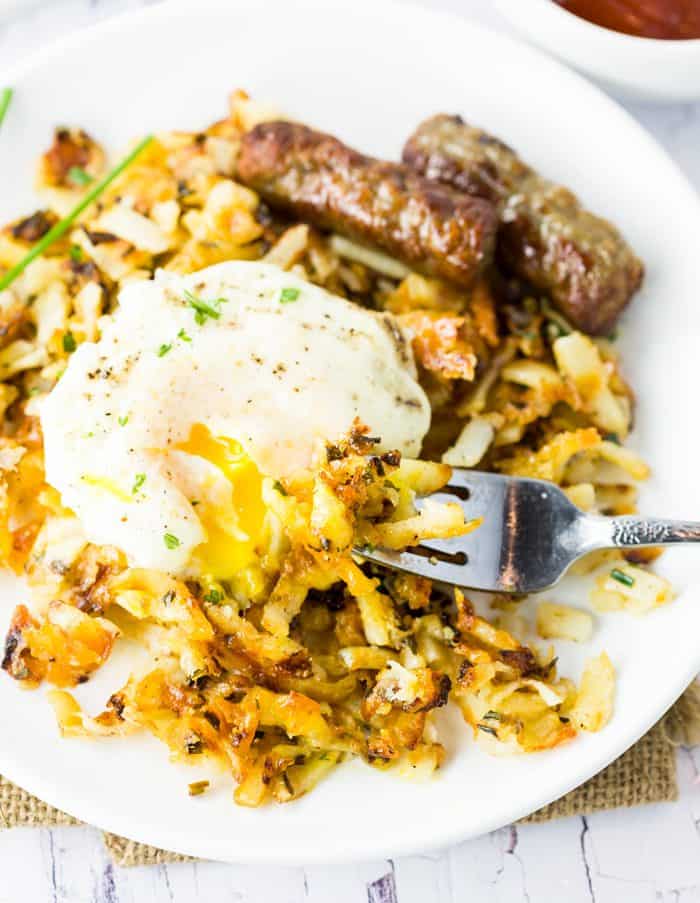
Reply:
x=159 y=435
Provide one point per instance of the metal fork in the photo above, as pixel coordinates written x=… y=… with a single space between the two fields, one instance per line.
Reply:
x=530 y=535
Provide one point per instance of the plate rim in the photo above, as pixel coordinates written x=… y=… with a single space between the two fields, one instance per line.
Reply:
x=442 y=836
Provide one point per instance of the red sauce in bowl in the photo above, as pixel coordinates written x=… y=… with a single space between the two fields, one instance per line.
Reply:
x=674 y=20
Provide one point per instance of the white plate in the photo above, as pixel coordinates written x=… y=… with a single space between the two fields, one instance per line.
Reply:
x=369 y=72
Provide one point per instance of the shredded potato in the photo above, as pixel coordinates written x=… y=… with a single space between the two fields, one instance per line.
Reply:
x=627 y=587
x=550 y=461
x=375 y=260
x=435 y=520
x=310 y=654
x=563 y=622
x=594 y=702
x=472 y=444
x=579 y=360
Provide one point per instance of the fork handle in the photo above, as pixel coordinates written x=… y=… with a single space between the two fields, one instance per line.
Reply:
x=631 y=532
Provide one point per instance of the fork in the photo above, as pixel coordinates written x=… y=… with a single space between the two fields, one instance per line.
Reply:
x=530 y=535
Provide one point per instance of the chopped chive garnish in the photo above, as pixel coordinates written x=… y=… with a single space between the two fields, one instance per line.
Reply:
x=214 y=596
x=122 y=421
x=65 y=224
x=491 y=715
x=621 y=577
x=204 y=309
x=487 y=729
x=289 y=294
x=76 y=253
x=163 y=350
x=183 y=335
x=69 y=343
x=139 y=480
x=555 y=320
x=171 y=541
x=5 y=99
x=197 y=788
x=279 y=487
x=79 y=177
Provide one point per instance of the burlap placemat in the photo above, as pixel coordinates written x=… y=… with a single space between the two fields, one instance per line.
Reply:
x=646 y=773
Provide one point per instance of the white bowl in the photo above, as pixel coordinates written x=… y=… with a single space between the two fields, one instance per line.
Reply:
x=644 y=68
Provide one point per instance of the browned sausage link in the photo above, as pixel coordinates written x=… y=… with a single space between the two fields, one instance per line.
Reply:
x=545 y=236
x=429 y=226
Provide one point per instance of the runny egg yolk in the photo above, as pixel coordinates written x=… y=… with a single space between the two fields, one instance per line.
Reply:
x=233 y=530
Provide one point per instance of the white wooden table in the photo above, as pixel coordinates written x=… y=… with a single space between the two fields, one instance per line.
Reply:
x=640 y=855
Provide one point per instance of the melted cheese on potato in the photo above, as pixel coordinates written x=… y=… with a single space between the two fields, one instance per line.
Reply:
x=158 y=436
